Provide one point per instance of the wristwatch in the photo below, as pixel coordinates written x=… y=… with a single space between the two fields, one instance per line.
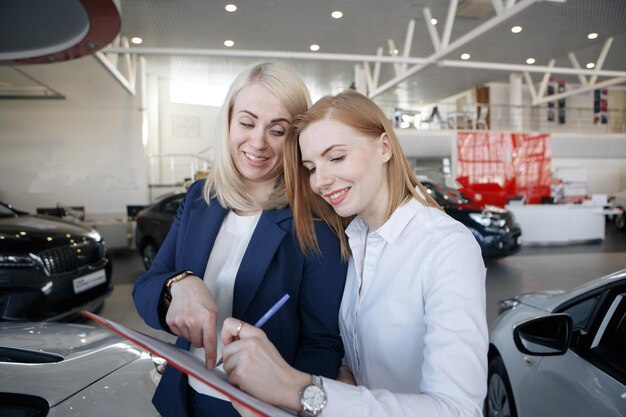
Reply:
x=313 y=398
x=169 y=282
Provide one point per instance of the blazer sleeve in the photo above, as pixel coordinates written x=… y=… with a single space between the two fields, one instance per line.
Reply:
x=148 y=288
x=321 y=350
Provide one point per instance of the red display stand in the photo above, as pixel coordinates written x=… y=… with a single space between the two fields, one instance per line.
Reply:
x=497 y=166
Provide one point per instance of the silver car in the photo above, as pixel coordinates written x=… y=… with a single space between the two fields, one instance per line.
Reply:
x=64 y=369
x=561 y=353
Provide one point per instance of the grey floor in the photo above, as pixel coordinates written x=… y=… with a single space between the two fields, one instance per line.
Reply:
x=533 y=268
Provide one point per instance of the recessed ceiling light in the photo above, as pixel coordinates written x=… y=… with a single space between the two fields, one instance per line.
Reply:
x=229 y=43
x=314 y=47
x=592 y=35
x=433 y=21
x=591 y=65
x=530 y=61
x=516 y=29
x=230 y=8
x=136 y=40
x=337 y=14
x=465 y=56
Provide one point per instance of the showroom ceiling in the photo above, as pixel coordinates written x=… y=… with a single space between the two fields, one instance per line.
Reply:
x=550 y=30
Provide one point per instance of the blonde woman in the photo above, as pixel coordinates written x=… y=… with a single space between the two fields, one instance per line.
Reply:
x=412 y=316
x=232 y=251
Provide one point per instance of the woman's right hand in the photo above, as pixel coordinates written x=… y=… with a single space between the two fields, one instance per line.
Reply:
x=192 y=314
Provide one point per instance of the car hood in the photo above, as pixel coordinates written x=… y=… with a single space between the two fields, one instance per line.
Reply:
x=32 y=233
x=85 y=354
x=551 y=299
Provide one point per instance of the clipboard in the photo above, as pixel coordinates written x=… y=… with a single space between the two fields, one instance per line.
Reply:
x=191 y=365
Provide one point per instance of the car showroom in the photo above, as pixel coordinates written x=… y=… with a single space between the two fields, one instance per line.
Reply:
x=511 y=113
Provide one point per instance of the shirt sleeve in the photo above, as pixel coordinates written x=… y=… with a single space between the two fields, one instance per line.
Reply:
x=454 y=371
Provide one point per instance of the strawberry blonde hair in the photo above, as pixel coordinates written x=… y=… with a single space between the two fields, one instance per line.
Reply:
x=363 y=115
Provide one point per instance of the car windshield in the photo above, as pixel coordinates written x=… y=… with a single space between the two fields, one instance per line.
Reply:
x=6 y=212
x=446 y=195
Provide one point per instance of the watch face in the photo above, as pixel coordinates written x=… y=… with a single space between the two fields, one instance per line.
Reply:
x=314 y=398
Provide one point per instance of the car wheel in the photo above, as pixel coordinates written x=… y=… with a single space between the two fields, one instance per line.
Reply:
x=499 y=401
x=620 y=221
x=148 y=252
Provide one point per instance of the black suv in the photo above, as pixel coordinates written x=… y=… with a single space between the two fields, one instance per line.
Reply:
x=494 y=228
x=153 y=223
x=50 y=269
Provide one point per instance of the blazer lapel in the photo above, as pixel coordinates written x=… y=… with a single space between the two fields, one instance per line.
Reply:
x=205 y=221
x=263 y=245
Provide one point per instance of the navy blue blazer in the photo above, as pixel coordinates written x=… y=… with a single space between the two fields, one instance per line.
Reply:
x=305 y=331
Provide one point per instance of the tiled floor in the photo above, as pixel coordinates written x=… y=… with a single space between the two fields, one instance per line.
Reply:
x=532 y=269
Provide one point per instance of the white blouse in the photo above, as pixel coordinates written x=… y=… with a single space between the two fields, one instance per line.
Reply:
x=413 y=319
x=221 y=270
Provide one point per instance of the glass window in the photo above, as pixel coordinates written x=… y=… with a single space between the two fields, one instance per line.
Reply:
x=581 y=312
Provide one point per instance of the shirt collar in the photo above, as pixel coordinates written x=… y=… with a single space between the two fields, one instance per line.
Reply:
x=392 y=228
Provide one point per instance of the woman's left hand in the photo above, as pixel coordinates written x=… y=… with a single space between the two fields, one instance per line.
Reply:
x=256 y=367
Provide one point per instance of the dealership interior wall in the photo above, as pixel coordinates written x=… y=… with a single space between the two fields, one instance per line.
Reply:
x=88 y=150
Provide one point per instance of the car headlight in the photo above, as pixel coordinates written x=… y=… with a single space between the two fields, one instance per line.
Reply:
x=487 y=219
x=16 y=260
x=93 y=234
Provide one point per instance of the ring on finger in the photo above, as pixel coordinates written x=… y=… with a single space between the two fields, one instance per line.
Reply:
x=239 y=326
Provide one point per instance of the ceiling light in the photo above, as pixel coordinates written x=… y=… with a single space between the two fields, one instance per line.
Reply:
x=530 y=61
x=465 y=56
x=136 y=40
x=229 y=43
x=516 y=29
x=433 y=21
x=337 y=14
x=314 y=47
x=592 y=35
x=591 y=65
x=230 y=8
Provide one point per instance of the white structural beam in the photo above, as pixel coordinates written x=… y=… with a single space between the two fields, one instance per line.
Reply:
x=312 y=56
x=497 y=6
x=531 y=68
x=546 y=78
x=601 y=58
x=101 y=57
x=601 y=84
x=447 y=30
x=434 y=36
x=531 y=85
x=408 y=42
x=471 y=35
x=575 y=64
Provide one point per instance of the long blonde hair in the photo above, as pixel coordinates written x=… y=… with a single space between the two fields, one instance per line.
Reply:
x=224 y=182
x=363 y=115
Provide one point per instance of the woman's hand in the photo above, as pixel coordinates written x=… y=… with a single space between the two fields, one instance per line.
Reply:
x=346 y=376
x=192 y=314
x=256 y=367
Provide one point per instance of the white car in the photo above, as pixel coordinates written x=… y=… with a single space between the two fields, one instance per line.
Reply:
x=64 y=369
x=560 y=353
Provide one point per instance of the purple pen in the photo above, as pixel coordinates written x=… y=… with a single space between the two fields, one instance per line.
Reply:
x=265 y=318
x=272 y=311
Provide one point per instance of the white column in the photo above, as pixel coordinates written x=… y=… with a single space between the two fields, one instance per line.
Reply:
x=515 y=101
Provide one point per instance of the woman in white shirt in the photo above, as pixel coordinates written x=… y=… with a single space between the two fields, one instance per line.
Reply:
x=412 y=316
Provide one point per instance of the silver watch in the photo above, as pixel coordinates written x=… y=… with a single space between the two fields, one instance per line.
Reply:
x=313 y=398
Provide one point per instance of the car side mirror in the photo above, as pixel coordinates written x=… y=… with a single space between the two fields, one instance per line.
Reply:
x=544 y=336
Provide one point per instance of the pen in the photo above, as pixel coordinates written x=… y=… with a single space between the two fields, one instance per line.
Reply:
x=264 y=318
